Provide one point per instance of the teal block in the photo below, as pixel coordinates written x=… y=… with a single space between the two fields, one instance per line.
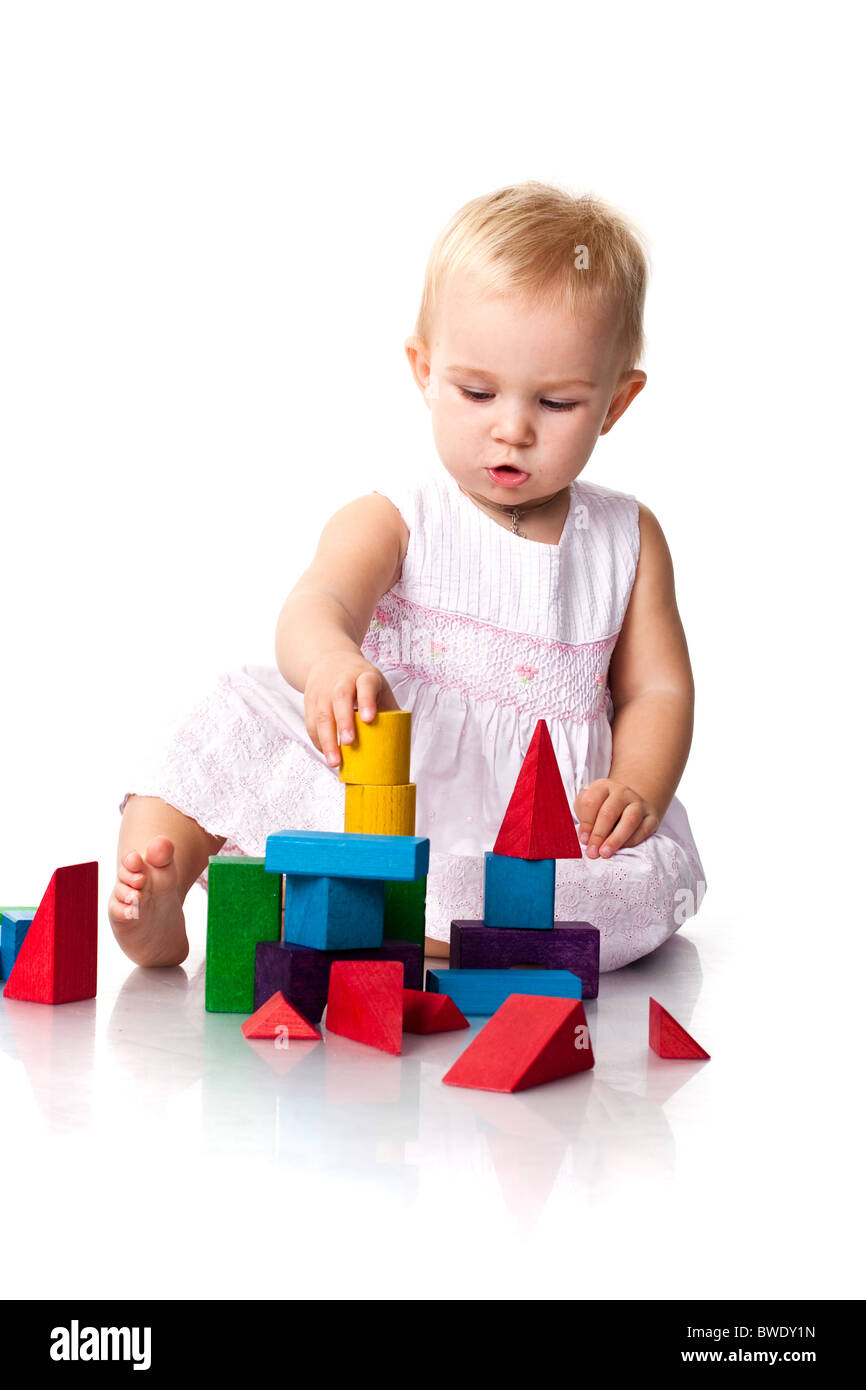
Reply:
x=244 y=907
x=14 y=925
x=334 y=914
x=482 y=991
x=344 y=854
x=519 y=892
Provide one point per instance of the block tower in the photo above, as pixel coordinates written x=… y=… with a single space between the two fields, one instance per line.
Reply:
x=346 y=894
x=519 y=896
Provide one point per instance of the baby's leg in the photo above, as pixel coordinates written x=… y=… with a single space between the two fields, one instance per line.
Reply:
x=433 y=947
x=160 y=854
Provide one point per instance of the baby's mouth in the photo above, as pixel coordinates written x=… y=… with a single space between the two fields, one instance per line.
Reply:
x=507 y=475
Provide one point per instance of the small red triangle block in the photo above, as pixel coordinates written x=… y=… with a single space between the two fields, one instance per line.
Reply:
x=669 y=1038
x=365 y=1002
x=276 y=1014
x=529 y=1040
x=57 y=960
x=538 y=823
x=430 y=1013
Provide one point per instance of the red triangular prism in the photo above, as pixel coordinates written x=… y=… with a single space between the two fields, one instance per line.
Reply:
x=669 y=1038
x=538 y=823
x=365 y=1002
x=529 y=1040
x=430 y=1013
x=57 y=960
x=275 y=1014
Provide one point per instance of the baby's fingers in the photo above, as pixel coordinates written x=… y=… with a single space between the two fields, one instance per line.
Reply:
x=323 y=732
x=648 y=826
x=344 y=709
x=374 y=692
x=623 y=830
x=604 y=822
x=588 y=803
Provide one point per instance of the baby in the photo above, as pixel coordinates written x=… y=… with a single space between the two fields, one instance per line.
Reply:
x=499 y=590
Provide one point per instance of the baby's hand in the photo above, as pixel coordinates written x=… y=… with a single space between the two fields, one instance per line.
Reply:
x=334 y=684
x=612 y=816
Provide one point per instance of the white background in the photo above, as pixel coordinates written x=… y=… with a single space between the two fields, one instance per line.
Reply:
x=215 y=224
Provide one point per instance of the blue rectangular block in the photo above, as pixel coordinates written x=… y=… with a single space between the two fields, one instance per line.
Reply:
x=482 y=991
x=518 y=892
x=14 y=924
x=344 y=854
x=334 y=914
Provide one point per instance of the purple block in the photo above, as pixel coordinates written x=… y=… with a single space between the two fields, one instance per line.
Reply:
x=569 y=946
x=302 y=972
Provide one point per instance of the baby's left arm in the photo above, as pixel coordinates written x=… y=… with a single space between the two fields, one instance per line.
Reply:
x=653 y=699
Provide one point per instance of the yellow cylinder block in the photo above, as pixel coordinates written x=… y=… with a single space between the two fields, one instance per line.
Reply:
x=372 y=810
x=379 y=755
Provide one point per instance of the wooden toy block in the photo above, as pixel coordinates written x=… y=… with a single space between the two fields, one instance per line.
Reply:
x=379 y=753
x=57 y=960
x=334 y=914
x=277 y=1017
x=538 y=823
x=669 y=1038
x=405 y=910
x=519 y=892
x=568 y=946
x=244 y=907
x=336 y=854
x=483 y=991
x=430 y=1013
x=528 y=1041
x=14 y=923
x=365 y=1002
x=302 y=973
x=374 y=810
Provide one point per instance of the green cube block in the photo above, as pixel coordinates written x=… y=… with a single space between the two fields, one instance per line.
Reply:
x=244 y=907
x=404 y=910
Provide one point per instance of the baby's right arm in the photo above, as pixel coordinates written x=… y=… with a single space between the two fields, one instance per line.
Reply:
x=325 y=618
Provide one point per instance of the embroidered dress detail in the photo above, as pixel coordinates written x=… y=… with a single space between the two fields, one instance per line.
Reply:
x=539 y=676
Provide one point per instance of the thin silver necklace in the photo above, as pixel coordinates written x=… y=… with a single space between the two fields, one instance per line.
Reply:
x=514 y=512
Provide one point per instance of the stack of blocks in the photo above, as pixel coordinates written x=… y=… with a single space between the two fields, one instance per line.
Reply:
x=380 y=800
x=357 y=895
x=519 y=892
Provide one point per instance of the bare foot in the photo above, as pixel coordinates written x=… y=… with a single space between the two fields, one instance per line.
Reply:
x=146 y=907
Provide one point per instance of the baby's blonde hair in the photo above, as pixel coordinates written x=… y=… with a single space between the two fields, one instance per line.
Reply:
x=533 y=238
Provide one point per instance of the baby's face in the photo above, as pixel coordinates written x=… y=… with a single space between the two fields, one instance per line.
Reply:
x=518 y=392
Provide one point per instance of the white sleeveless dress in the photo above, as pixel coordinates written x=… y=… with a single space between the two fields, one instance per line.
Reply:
x=485 y=633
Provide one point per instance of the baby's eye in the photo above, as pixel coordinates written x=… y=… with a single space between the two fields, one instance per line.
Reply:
x=488 y=395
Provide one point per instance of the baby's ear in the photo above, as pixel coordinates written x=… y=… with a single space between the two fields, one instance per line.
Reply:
x=418 y=354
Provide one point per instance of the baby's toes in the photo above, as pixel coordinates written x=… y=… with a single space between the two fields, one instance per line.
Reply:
x=160 y=852
x=136 y=878
x=133 y=862
x=124 y=904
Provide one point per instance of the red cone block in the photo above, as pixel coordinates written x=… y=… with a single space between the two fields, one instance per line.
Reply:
x=365 y=1002
x=275 y=1014
x=669 y=1038
x=57 y=960
x=538 y=823
x=430 y=1013
x=529 y=1040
